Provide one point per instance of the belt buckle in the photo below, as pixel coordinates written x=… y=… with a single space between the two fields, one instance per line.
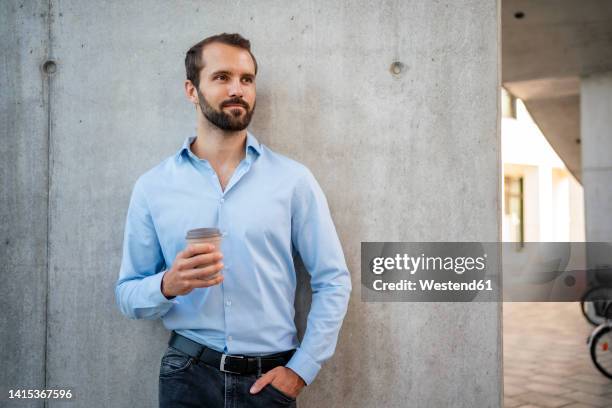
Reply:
x=222 y=365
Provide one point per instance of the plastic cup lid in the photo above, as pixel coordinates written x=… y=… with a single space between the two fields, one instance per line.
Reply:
x=203 y=233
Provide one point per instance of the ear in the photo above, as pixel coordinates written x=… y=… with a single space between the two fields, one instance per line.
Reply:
x=191 y=92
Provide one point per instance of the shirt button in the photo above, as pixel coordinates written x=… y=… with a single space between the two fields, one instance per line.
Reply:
x=229 y=338
x=222 y=200
x=228 y=302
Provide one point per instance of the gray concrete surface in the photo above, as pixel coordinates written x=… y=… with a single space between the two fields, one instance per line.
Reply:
x=408 y=157
x=555 y=38
x=23 y=197
x=559 y=119
x=596 y=129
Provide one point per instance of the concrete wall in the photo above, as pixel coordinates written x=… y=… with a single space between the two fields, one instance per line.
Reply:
x=596 y=133
x=23 y=196
x=412 y=156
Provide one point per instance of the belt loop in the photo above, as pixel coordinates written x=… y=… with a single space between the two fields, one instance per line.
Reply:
x=200 y=354
x=258 y=367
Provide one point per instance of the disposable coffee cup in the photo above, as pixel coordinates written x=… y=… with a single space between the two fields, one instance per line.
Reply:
x=205 y=236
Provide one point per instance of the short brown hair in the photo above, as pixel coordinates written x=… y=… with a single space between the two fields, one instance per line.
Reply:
x=194 y=61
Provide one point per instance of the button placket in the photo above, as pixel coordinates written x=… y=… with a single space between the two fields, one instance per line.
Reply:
x=224 y=222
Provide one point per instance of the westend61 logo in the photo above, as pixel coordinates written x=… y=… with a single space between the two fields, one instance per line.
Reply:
x=426 y=272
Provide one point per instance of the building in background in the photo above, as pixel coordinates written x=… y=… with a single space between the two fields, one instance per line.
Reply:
x=542 y=201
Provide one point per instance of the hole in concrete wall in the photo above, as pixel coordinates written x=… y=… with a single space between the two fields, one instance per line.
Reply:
x=396 y=68
x=519 y=14
x=49 y=67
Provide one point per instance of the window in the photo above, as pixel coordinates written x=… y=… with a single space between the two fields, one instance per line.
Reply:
x=514 y=208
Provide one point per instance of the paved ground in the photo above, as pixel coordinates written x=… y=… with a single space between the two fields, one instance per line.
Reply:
x=546 y=360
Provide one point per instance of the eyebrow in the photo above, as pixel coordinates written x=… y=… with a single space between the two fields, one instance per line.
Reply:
x=221 y=72
x=229 y=73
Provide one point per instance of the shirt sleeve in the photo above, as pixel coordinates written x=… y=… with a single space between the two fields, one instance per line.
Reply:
x=138 y=289
x=314 y=237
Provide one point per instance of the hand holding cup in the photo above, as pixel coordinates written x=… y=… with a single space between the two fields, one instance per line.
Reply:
x=197 y=266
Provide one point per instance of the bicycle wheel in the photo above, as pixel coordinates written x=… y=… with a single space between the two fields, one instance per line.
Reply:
x=593 y=303
x=588 y=310
x=601 y=351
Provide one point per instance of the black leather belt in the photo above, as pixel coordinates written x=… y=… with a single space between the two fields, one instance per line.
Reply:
x=236 y=364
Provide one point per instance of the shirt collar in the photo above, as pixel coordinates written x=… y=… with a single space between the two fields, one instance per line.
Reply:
x=252 y=144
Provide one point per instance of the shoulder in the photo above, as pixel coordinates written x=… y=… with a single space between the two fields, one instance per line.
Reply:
x=286 y=165
x=305 y=186
x=150 y=180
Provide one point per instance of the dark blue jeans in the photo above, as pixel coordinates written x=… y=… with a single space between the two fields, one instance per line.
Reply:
x=186 y=382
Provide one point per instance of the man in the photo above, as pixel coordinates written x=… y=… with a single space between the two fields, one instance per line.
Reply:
x=231 y=309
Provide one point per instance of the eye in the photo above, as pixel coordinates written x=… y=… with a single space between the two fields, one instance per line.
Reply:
x=248 y=80
x=221 y=77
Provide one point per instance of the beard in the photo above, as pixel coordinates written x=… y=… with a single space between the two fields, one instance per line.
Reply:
x=233 y=121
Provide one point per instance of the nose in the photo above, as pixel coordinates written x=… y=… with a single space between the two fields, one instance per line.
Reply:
x=235 y=89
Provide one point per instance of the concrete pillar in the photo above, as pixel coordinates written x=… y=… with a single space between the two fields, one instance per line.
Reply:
x=577 y=230
x=23 y=197
x=596 y=142
x=393 y=105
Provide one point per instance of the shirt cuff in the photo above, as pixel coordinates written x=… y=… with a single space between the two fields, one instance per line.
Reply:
x=153 y=288
x=304 y=366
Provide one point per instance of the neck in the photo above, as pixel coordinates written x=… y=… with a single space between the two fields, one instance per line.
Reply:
x=218 y=146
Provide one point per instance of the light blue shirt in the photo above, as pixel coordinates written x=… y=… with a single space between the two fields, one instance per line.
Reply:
x=271 y=209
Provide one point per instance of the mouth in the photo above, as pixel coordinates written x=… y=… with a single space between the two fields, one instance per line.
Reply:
x=235 y=106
